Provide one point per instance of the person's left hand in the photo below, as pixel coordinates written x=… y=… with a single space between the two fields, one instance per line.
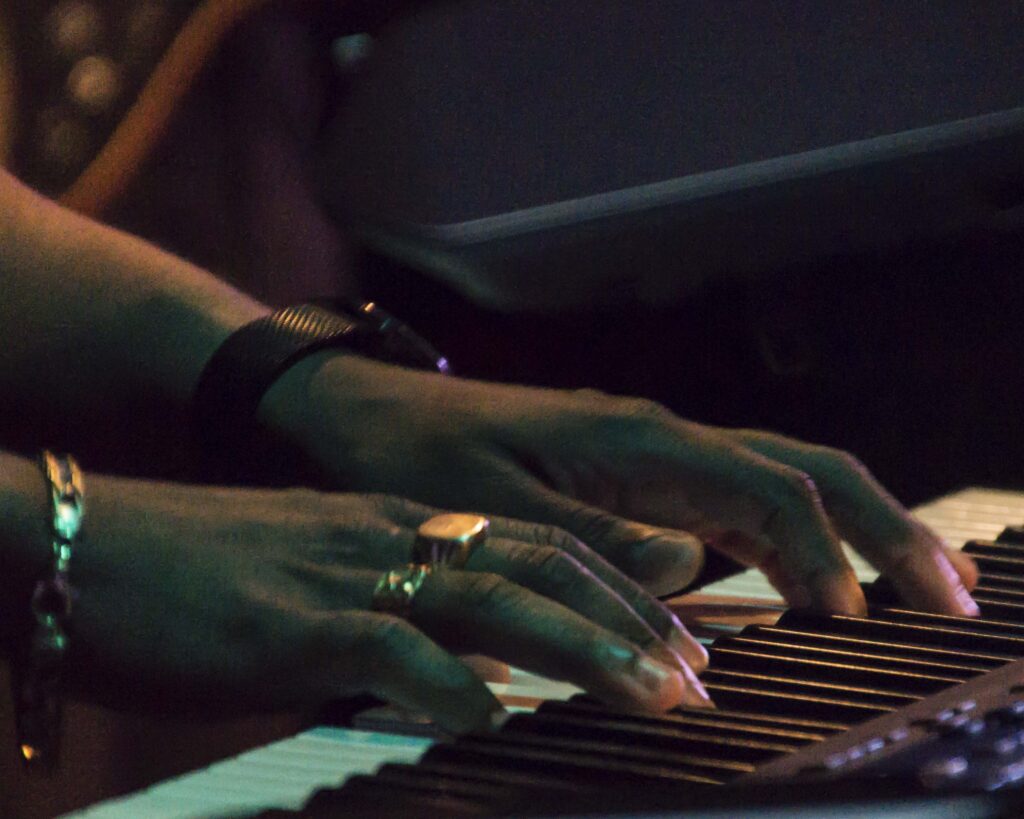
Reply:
x=634 y=482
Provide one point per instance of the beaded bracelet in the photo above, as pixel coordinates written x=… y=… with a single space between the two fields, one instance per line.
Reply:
x=37 y=688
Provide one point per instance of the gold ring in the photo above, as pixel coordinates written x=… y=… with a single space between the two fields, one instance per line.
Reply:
x=397 y=588
x=449 y=540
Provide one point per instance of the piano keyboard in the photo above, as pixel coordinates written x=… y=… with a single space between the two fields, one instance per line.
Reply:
x=807 y=695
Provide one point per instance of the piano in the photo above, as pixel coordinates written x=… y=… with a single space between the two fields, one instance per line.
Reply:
x=934 y=703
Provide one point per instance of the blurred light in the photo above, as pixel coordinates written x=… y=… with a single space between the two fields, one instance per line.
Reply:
x=94 y=83
x=350 y=51
x=75 y=26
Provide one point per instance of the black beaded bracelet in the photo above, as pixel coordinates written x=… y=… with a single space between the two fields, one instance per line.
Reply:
x=252 y=358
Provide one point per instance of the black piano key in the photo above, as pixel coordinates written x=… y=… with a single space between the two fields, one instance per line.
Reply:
x=534 y=781
x=1012 y=534
x=750 y=697
x=994 y=607
x=601 y=769
x=995 y=548
x=825 y=671
x=999 y=565
x=364 y=795
x=922 y=633
x=889 y=661
x=997 y=605
x=1015 y=595
x=815 y=637
x=413 y=778
x=715 y=722
x=1010 y=628
x=871 y=696
x=704 y=757
x=783 y=721
x=669 y=738
x=1000 y=580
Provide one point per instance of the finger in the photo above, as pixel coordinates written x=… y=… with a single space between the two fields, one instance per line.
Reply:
x=396 y=548
x=382 y=655
x=761 y=554
x=655 y=614
x=927 y=573
x=552 y=572
x=691 y=474
x=662 y=560
x=776 y=506
x=483 y=611
x=476 y=612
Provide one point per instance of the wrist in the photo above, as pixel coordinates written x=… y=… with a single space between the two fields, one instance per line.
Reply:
x=24 y=554
x=297 y=403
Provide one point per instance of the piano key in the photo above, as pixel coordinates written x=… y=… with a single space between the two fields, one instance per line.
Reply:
x=987 y=625
x=814 y=637
x=505 y=776
x=1010 y=595
x=950 y=637
x=363 y=795
x=668 y=738
x=754 y=718
x=716 y=723
x=1012 y=534
x=839 y=674
x=413 y=779
x=751 y=697
x=994 y=607
x=1001 y=565
x=598 y=769
x=870 y=696
x=876 y=661
x=1007 y=582
x=995 y=548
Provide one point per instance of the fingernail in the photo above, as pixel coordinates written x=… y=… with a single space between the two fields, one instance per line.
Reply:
x=664 y=653
x=696 y=694
x=653 y=685
x=966 y=602
x=692 y=652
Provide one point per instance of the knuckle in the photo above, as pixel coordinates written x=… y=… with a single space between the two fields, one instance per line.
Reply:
x=488 y=590
x=640 y=413
x=550 y=535
x=615 y=416
x=401 y=510
x=838 y=462
x=593 y=525
x=555 y=566
x=794 y=487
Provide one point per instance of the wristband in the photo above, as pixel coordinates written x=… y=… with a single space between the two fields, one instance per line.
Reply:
x=252 y=358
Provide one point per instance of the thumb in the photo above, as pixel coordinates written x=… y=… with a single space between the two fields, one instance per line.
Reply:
x=661 y=560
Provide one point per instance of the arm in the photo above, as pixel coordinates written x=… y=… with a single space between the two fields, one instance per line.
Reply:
x=625 y=476
x=91 y=317
x=211 y=599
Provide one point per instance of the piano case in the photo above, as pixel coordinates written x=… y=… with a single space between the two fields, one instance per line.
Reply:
x=539 y=155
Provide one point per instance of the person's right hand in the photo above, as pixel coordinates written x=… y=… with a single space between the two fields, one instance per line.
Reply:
x=261 y=599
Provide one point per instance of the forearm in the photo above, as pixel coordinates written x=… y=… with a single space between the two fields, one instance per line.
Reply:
x=90 y=316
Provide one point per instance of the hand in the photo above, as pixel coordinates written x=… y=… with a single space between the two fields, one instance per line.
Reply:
x=637 y=484
x=246 y=599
